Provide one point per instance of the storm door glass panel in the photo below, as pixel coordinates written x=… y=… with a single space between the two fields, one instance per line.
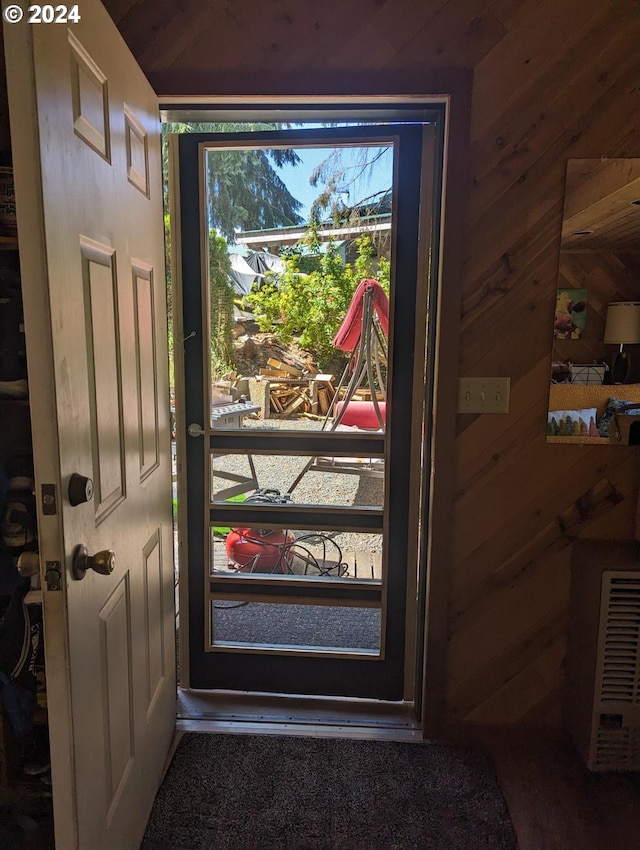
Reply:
x=295 y=342
x=316 y=629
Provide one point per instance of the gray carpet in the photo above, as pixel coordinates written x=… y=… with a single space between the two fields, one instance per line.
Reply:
x=251 y=792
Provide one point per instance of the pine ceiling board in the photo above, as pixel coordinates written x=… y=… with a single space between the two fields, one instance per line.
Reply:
x=430 y=43
x=469 y=41
x=171 y=43
x=224 y=43
x=526 y=53
x=513 y=12
x=140 y=23
x=376 y=38
x=478 y=688
x=366 y=39
x=313 y=26
x=261 y=37
x=477 y=40
x=118 y=9
x=373 y=45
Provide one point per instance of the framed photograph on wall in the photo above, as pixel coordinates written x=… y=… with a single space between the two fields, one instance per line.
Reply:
x=571 y=314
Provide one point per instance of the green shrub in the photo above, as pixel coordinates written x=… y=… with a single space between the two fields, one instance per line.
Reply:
x=313 y=294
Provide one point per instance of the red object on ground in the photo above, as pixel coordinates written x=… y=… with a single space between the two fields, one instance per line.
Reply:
x=362 y=414
x=259 y=550
x=349 y=331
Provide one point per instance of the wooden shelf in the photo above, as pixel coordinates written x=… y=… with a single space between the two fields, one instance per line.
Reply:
x=581 y=441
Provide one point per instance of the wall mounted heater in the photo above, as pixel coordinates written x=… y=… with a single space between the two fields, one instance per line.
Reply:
x=603 y=654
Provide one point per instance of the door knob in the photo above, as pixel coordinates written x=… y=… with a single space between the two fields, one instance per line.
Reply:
x=194 y=430
x=80 y=489
x=102 y=562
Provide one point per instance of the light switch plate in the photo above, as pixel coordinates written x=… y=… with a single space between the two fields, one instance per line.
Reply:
x=483 y=395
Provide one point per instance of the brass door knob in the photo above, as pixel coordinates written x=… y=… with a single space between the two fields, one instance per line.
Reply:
x=102 y=562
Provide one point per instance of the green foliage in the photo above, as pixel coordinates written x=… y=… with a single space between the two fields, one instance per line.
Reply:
x=169 y=290
x=311 y=304
x=221 y=305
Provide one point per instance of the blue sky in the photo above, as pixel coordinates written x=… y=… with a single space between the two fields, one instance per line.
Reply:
x=296 y=178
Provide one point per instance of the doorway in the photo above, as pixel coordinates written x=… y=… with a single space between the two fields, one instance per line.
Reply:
x=301 y=590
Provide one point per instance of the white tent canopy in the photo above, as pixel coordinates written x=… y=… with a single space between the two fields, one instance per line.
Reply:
x=250 y=269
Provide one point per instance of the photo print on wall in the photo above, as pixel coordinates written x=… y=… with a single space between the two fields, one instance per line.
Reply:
x=571 y=314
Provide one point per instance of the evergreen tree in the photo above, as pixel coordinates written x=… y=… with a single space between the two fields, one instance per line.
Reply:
x=244 y=190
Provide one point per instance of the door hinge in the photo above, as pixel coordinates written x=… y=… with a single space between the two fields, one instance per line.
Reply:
x=53 y=575
x=49 y=503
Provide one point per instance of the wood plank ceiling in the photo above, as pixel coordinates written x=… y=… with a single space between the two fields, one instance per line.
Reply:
x=551 y=81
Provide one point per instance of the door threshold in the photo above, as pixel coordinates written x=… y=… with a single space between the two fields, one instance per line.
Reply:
x=257 y=713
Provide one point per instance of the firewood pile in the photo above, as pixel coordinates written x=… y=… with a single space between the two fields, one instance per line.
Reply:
x=308 y=393
x=296 y=392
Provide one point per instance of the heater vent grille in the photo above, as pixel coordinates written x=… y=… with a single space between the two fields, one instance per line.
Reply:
x=619 y=668
x=618 y=749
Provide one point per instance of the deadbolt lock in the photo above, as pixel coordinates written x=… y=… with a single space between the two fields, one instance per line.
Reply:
x=80 y=489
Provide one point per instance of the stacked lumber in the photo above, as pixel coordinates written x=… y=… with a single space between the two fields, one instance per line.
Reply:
x=297 y=392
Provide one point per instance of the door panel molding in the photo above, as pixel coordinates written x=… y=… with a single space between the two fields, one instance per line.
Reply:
x=90 y=100
x=144 y=298
x=154 y=605
x=117 y=686
x=102 y=317
x=137 y=147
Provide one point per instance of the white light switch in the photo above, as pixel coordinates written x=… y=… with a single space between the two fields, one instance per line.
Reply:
x=483 y=395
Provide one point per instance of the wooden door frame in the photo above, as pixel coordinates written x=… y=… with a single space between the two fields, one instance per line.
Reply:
x=453 y=87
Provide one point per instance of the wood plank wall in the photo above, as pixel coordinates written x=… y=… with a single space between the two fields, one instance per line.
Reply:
x=551 y=81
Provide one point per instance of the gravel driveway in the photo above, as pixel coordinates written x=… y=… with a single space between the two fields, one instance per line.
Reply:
x=316 y=487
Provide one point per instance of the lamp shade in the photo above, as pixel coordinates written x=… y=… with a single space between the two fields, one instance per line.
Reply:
x=623 y=323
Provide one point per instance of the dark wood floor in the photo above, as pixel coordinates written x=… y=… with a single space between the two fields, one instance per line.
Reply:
x=556 y=803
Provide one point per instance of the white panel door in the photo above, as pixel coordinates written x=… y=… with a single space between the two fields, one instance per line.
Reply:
x=86 y=145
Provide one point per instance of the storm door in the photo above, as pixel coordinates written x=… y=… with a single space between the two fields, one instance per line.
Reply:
x=303 y=474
